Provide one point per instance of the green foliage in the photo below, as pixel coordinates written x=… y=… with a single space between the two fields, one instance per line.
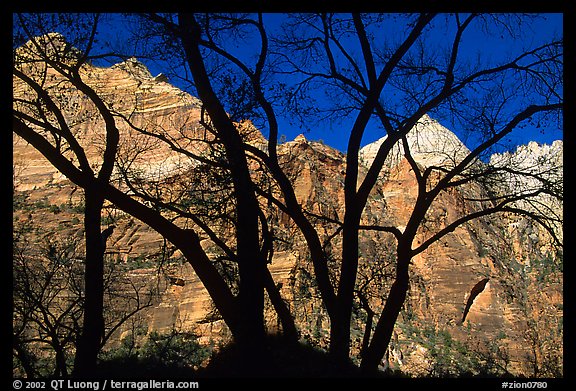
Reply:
x=39 y=204
x=106 y=220
x=175 y=349
x=546 y=267
x=452 y=358
x=307 y=282
x=54 y=209
x=140 y=262
x=173 y=353
x=483 y=251
x=19 y=201
x=76 y=208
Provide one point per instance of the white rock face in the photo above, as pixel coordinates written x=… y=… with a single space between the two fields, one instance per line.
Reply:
x=52 y=45
x=533 y=171
x=134 y=68
x=430 y=143
x=540 y=165
x=531 y=155
x=529 y=169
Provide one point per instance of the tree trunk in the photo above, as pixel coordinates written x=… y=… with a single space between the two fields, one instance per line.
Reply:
x=250 y=263
x=88 y=345
x=286 y=319
x=339 y=347
x=60 y=370
x=385 y=326
x=251 y=307
x=24 y=357
x=368 y=328
x=341 y=318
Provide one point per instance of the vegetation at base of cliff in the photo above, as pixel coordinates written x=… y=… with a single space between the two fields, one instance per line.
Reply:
x=180 y=355
x=448 y=357
x=172 y=354
x=278 y=358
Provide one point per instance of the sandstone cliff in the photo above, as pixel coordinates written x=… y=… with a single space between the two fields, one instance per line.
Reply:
x=513 y=321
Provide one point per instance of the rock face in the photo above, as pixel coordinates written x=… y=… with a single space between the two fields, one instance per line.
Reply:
x=488 y=294
x=544 y=164
x=429 y=142
x=497 y=254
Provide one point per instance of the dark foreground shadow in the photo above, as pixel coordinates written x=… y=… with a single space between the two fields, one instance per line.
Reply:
x=277 y=359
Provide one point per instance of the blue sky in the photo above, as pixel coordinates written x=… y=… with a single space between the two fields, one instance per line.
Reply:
x=474 y=44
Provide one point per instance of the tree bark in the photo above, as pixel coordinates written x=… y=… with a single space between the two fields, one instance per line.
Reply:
x=341 y=318
x=251 y=265
x=60 y=370
x=376 y=350
x=368 y=328
x=385 y=326
x=88 y=345
x=289 y=330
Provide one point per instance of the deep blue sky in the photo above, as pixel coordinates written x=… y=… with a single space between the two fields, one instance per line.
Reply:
x=474 y=44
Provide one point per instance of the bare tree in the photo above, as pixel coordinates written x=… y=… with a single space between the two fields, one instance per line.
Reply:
x=48 y=72
x=389 y=82
x=42 y=108
x=360 y=76
x=49 y=294
x=426 y=83
x=47 y=305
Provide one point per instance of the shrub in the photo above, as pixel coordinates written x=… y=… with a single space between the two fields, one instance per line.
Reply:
x=168 y=354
